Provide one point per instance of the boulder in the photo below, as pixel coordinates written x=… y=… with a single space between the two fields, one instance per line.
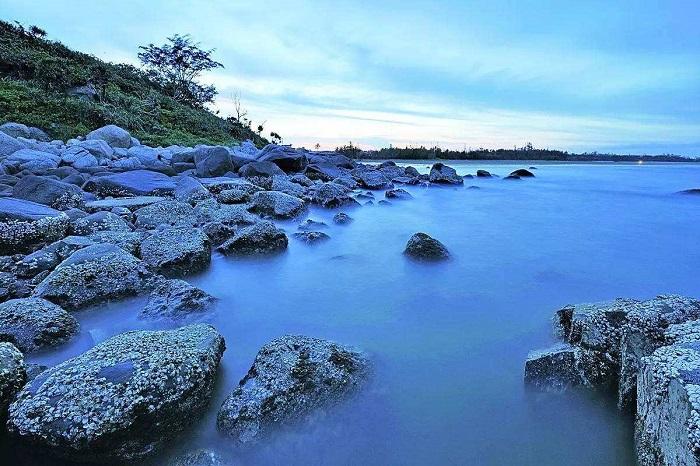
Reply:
x=397 y=193
x=218 y=232
x=285 y=157
x=311 y=225
x=325 y=172
x=166 y=213
x=99 y=221
x=372 y=179
x=177 y=251
x=266 y=169
x=122 y=400
x=129 y=241
x=199 y=458
x=233 y=196
x=276 y=204
x=26 y=224
x=442 y=174
x=132 y=183
x=131 y=203
x=98 y=148
x=422 y=246
x=411 y=172
x=47 y=191
x=32 y=324
x=150 y=158
x=692 y=191
x=211 y=211
x=112 y=135
x=347 y=181
x=94 y=274
x=311 y=237
x=522 y=173
x=176 y=299
x=190 y=190
x=257 y=239
x=48 y=257
x=291 y=377
x=331 y=195
x=13 y=375
x=212 y=161
x=31 y=160
x=283 y=184
x=8 y=145
x=78 y=157
x=16 y=130
x=483 y=174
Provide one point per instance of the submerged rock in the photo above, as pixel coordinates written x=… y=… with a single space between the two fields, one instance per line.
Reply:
x=124 y=398
x=310 y=225
x=483 y=174
x=260 y=238
x=176 y=299
x=372 y=179
x=311 y=237
x=424 y=247
x=291 y=377
x=398 y=194
x=177 y=251
x=198 y=458
x=522 y=173
x=32 y=324
x=341 y=218
x=93 y=274
x=555 y=368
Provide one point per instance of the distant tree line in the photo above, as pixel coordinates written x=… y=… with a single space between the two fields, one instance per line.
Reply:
x=527 y=152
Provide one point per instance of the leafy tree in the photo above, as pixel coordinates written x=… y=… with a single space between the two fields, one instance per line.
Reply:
x=177 y=65
x=275 y=138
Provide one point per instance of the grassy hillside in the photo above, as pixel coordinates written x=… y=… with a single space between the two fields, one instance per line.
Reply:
x=37 y=76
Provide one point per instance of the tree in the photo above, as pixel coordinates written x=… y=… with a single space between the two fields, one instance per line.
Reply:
x=275 y=138
x=177 y=65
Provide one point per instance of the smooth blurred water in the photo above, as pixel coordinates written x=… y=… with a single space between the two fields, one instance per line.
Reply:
x=450 y=339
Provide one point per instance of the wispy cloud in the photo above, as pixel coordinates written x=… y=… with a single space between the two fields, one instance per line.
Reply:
x=580 y=76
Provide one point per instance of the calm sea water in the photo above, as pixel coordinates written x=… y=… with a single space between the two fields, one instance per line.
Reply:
x=449 y=339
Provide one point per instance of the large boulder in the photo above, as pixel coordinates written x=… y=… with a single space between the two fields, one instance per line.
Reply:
x=290 y=378
x=18 y=130
x=176 y=299
x=198 y=458
x=442 y=174
x=257 y=239
x=131 y=183
x=212 y=161
x=283 y=184
x=423 y=247
x=522 y=173
x=168 y=213
x=122 y=400
x=98 y=148
x=13 y=375
x=131 y=203
x=47 y=191
x=31 y=160
x=288 y=159
x=8 y=145
x=556 y=368
x=32 y=324
x=276 y=204
x=325 y=171
x=211 y=211
x=177 y=251
x=191 y=190
x=112 y=135
x=78 y=157
x=94 y=274
x=48 y=257
x=264 y=169
x=26 y=224
x=372 y=179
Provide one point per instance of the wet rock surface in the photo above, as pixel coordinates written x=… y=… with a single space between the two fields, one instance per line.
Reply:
x=32 y=324
x=423 y=247
x=291 y=377
x=13 y=375
x=176 y=299
x=177 y=251
x=258 y=239
x=123 y=399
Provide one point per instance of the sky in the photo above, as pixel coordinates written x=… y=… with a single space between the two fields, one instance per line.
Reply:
x=587 y=75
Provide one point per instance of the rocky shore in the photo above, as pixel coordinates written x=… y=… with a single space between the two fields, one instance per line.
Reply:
x=648 y=353
x=103 y=217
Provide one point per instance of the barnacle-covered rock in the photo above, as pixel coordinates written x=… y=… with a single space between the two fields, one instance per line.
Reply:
x=32 y=324
x=291 y=377
x=100 y=221
x=257 y=239
x=667 y=427
x=94 y=274
x=176 y=299
x=24 y=225
x=131 y=183
x=124 y=398
x=177 y=251
x=422 y=246
x=13 y=375
x=277 y=204
x=170 y=213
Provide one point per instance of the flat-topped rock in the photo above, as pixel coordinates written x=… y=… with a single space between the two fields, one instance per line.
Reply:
x=131 y=203
x=122 y=400
x=290 y=378
x=47 y=191
x=258 y=239
x=276 y=204
x=131 y=183
x=176 y=300
x=554 y=369
x=167 y=213
x=100 y=221
x=176 y=252
x=25 y=224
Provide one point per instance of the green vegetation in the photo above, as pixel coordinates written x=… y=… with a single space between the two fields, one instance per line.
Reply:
x=528 y=152
x=67 y=93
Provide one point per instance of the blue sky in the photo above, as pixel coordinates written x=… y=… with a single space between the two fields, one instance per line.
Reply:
x=587 y=75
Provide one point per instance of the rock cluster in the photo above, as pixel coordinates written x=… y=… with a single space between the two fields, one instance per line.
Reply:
x=646 y=351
